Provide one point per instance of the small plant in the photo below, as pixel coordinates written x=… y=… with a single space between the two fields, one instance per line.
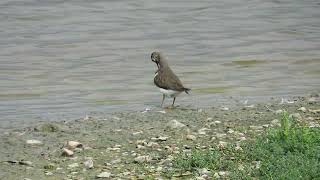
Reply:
x=288 y=152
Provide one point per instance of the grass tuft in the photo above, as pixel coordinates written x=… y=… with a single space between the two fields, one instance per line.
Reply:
x=288 y=152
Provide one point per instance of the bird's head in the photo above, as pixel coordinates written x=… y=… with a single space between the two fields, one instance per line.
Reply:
x=155 y=57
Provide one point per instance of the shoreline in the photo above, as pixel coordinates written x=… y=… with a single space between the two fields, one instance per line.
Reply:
x=138 y=144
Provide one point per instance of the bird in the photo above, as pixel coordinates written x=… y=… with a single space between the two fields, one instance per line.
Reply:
x=165 y=79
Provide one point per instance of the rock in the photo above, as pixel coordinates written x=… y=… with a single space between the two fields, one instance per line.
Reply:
x=104 y=175
x=302 y=109
x=275 y=122
x=313 y=99
x=160 y=138
x=74 y=144
x=153 y=145
x=142 y=159
x=219 y=136
x=217 y=122
x=73 y=165
x=315 y=111
x=159 y=169
x=223 y=173
x=191 y=137
x=279 y=111
x=116 y=161
x=174 y=124
x=216 y=175
x=26 y=163
x=204 y=171
x=67 y=152
x=222 y=144
x=137 y=133
x=202 y=131
x=48 y=173
x=230 y=131
x=200 y=178
x=224 y=109
x=34 y=142
x=88 y=163
x=256 y=127
x=296 y=116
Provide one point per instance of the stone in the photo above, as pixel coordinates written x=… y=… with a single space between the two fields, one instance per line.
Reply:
x=142 y=159
x=48 y=173
x=191 y=137
x=26 y=163
x=223 y=173
x=275 y=122
x=302 y=109
x=104 y=175
x=67 y=152
x=174 y=124
x=34 y=142
x=216 y=175
x=279 y=111
x=202 y=131
x=73 y=165
x=224 y=109
x=88 y=163
x=74 y=144
x=162 y=138
x=296 y=116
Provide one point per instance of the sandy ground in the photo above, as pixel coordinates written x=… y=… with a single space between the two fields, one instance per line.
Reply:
x=138 y=144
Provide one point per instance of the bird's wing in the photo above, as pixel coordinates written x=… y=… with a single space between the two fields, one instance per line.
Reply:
x=168 y=81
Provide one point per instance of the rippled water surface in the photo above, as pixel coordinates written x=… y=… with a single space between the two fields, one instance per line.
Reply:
x=64 y=59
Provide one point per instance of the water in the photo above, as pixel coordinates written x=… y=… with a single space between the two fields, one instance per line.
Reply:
x=64 y=59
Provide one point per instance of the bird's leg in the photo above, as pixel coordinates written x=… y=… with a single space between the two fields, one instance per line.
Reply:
x=174 y=99
x=163 y=97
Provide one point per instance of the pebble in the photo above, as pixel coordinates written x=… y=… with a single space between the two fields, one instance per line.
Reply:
x=256 y=127
x=137 y=133
x=34 y=142
x=88 y=163
x=279 y=111
x=275 y=122
x=230 y=131
x=224 y=109
x=303 y=109
x=217 y=122
x=191 y=137
x=67 y=152
x=48 y=173
x=223 y=173
x=204 y=171
x=220 y=135
x=174 y=124
x=216 y=175
x=222 y=144
x=73 y=165
x=74 y=144
x=142 y=159
x=104 y=175
x=202 y=131
x=161 y=138
x=296 y=116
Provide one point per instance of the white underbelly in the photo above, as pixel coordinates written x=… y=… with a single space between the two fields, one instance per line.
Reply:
x=170 y=93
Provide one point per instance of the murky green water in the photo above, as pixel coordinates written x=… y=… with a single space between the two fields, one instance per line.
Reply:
x=65 y=59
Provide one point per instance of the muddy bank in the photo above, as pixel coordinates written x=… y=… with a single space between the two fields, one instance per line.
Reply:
x=138 y=145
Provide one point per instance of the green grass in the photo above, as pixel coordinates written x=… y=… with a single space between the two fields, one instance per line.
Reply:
x=288 y=152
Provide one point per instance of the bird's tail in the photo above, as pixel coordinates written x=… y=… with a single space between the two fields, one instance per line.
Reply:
x=187 y=90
